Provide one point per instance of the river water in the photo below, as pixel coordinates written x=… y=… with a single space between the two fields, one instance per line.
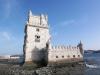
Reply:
x=92 y=61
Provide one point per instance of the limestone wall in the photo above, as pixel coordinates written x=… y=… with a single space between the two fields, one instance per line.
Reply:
x=59 y=53
x=36 y=37
x=31 y=44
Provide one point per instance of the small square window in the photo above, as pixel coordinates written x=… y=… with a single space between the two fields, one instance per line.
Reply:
x=74 y=56
x=37 y=29
x=78 y=55
x=56 y=56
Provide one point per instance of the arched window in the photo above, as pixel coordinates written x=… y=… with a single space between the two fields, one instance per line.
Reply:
x=37 y=38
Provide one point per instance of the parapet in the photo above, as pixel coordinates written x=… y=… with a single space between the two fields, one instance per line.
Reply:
x=62 y=47
x=37 y=20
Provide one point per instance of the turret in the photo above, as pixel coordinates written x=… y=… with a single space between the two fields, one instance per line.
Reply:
x=30 y=13
x=80 y=45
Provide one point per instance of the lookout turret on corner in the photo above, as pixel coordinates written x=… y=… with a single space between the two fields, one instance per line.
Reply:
x=36 y=39
x=30 y=13
x=80 y=45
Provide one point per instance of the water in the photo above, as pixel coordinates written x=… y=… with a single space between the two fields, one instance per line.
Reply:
x=92 y=62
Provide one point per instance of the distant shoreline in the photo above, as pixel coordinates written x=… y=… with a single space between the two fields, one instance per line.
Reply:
x=91 y=51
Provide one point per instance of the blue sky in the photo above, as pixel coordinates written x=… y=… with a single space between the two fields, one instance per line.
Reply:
x=70 y=21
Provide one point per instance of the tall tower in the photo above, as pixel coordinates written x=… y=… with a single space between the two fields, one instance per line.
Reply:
x=36 y=39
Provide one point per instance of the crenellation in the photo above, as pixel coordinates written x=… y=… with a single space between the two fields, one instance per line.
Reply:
x=67 y=47
x=62 y=47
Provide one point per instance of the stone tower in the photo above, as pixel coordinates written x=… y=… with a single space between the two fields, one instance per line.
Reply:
x=36 y=39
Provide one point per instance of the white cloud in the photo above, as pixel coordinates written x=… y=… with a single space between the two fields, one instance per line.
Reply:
x=6 y=35
x=68 y=22
x=9 y=5
x=9 y=44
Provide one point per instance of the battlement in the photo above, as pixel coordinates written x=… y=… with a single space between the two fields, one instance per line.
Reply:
x=64 y=54
x=62 y=47
x=37 y=20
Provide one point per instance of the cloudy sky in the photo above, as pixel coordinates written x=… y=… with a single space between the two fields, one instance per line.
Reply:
x=70 y=21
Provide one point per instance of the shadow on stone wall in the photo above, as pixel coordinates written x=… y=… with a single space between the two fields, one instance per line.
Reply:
x=40 y=56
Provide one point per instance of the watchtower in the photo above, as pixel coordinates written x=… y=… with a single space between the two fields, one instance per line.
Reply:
x=36 y=39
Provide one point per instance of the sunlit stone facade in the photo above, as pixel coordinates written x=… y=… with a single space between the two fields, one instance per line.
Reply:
x=37 y=46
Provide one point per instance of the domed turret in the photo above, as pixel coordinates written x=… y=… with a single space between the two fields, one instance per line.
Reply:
x=80 y=45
